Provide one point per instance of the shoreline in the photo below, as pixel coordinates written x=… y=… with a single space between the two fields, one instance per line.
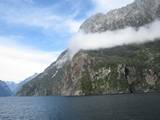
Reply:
x=116 y=94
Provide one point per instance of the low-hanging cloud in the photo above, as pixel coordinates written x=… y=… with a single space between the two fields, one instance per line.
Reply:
x=108 y=39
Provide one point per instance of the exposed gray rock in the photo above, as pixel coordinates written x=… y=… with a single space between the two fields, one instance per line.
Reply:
x=151 y=77
x=136 y=14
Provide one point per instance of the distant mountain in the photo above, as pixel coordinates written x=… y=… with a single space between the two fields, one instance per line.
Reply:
x=15 y=87
x=12 y=86
x=123 y=69
x=4 y=89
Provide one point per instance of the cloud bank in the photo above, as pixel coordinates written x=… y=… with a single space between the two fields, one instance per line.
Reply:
x=110 y=39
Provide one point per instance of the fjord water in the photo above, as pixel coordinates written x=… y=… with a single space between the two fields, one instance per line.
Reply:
x=111 y=107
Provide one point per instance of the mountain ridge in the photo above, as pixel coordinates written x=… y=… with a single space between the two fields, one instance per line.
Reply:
x=122 y=69
x=136 y=14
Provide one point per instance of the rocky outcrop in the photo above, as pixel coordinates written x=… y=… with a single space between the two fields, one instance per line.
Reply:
x=136 y=14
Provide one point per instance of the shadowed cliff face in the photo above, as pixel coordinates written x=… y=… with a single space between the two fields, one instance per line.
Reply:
x=122 y=69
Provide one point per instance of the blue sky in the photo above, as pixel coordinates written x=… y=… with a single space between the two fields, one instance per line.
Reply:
x=47 y=23
x=34 y=32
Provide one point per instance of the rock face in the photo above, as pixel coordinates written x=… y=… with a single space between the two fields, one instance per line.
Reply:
x=123 y=69
x=4 y=89
x=136 y=14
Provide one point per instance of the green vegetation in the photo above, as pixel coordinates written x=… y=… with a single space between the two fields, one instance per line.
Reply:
x=132 y=68
x=86 y=84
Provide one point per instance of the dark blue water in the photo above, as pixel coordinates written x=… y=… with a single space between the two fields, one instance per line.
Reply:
x=112 y=107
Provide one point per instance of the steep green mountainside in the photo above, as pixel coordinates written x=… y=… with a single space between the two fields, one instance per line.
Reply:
x=48 y=82
x=123 y=69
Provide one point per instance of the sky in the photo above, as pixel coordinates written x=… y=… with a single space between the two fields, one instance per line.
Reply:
x=34 y=32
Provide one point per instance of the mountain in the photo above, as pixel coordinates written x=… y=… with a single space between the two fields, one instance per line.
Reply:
x=19 y=85
x=15 y=87
x=48 y=82
x=4 y=89
x=12 y=86
x=138 y=13
x=133 y=68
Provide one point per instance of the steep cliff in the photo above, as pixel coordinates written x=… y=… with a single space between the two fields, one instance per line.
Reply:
x=122 y=69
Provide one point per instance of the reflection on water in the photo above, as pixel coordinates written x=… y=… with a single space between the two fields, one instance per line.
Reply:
x=111 y=107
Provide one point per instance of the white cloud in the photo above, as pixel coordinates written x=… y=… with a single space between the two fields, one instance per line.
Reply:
x=19 y=62
x=36 y=17
x=114 y=38
x=41 y=17
x=106 y=5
